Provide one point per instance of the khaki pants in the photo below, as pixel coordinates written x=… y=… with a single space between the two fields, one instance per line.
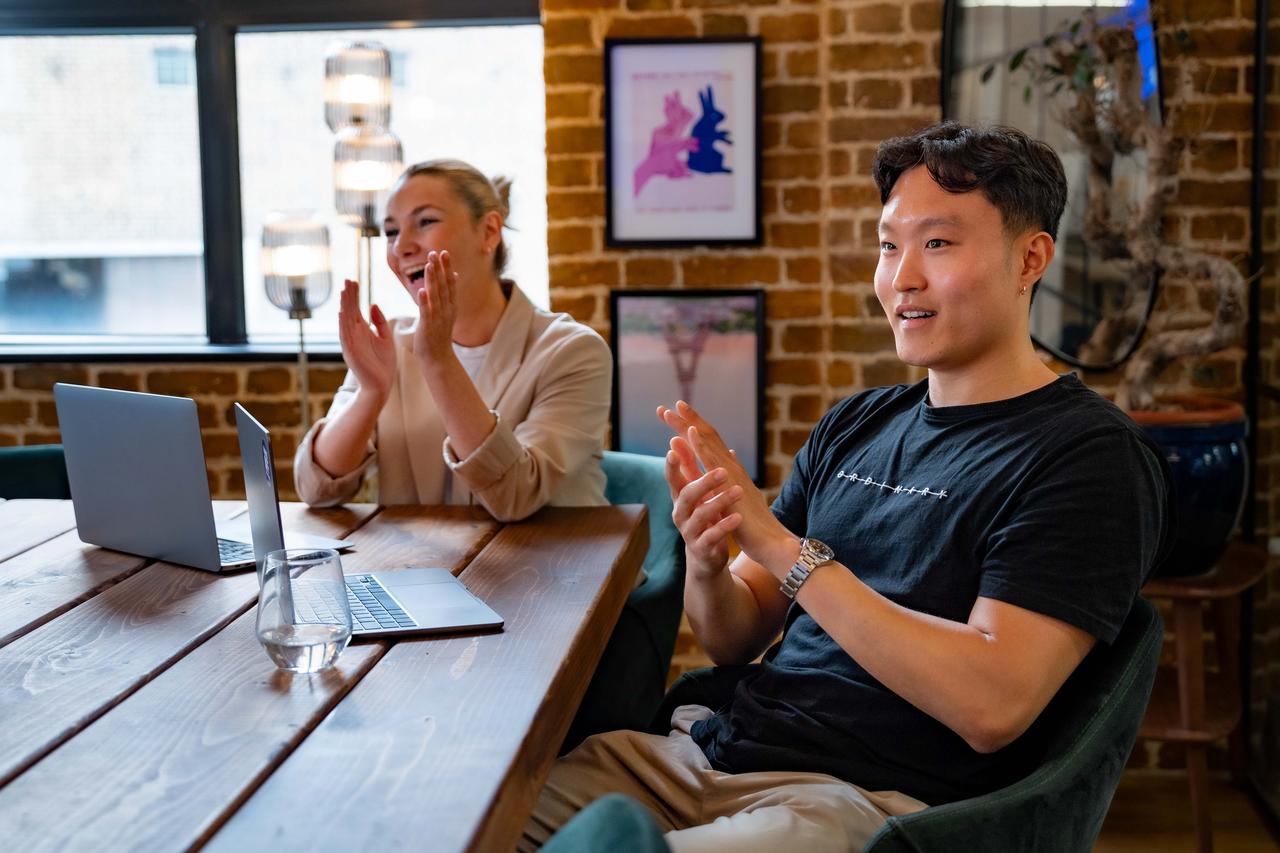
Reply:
x=701 y=809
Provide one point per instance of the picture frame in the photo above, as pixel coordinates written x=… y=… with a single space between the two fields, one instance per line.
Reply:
x=673 y=345
x=682 y=153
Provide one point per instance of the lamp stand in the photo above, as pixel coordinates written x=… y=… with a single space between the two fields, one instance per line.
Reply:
x=304 y=380
x=364 y=263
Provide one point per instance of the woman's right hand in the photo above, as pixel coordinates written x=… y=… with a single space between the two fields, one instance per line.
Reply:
x=702 y=511
x=368 y=349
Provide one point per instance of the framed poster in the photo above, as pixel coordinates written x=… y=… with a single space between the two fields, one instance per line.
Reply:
x=682 y=142
x=705 y=347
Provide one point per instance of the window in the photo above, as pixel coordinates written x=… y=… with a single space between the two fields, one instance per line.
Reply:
x=101 y=228
x=132 y=213
x=286 y=150
x=175 y=66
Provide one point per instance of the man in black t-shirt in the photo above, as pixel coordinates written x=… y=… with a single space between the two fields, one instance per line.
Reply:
x=940 y=559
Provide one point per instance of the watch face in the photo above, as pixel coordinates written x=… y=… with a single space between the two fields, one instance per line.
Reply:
x=820 y=550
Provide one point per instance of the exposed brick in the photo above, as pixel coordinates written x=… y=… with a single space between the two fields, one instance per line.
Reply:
x=802 y=63
x=326 y=380
x=845 y=304
x=575 y=205
x=840 y=233
x=566 y=32
x=794 y=304
x=119 y=380
x=874 y=128
x=8 y=439
x=573 y=104
x=926 y=17
x=656 y=27
x=799 y=339
x=575 y=139
x=41 y=377
x=864 y=337
x=837 y=22
x=878 y=18
x=576 y=5
x=275 y=413
x=839 y=163
x=795 y=235
x=216 y=445
x=795 y=371
x=46 y=413
x=806 y=408
x=649 y=272
x=16 y=412
x=1213 y=193
x=650 y=5
x=1217 y=116
x=850 y=268
x=190 y=382
x=570 y=239
x=711 y=271
x=877 y=56
x=792 y=98
x=584 y=273
x=581 y=308
x=573 y=68
x=1219 y=226
x=41 y=436
x=926 y=91
x=804 y=134
x=271 y=380
x=724 y=25
x=785 y=28
x=783 y=167
x=877 y=93
x=1215 y=155
x=801 y=199
x=570 y=172
x=839 y=94
x=791 y=440
x=211 y=415
x=804 y=270
x=855 y=196
x=771 y=133
x=840 y=373
x=1215 y=80
x=884 y=372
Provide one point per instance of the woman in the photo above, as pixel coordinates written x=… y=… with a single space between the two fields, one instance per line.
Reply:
x=482 y=397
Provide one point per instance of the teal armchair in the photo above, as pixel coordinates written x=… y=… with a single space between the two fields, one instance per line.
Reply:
x=34 y=471
x=614 y=823
x=1087 y=730
x=631 y=678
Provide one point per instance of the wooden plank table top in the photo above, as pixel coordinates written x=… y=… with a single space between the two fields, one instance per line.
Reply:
x=141 y=713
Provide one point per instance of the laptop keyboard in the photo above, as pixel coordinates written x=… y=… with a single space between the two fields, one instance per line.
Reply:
x=372 y=608
x=230 y=551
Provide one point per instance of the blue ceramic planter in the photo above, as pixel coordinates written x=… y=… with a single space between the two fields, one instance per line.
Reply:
x=1210 y=475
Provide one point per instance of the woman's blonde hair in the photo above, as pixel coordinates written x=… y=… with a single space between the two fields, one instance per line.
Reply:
x=480 y=194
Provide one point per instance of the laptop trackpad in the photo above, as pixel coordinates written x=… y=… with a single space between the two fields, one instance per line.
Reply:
x=437 y=599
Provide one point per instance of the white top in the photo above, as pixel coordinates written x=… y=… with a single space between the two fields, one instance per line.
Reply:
x=472 y=358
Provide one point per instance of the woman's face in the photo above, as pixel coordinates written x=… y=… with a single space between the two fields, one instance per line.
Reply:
x=425 y=215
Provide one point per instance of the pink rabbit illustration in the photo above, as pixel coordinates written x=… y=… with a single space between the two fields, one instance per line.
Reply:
x=666 y=144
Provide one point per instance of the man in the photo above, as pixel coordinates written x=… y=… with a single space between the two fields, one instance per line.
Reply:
x=983 y=529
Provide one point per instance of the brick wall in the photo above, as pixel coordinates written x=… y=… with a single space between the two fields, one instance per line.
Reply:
x=268 y=391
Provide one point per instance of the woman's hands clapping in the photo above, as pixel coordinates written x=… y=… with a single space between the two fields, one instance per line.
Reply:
x=367 y=348
x=437 y=309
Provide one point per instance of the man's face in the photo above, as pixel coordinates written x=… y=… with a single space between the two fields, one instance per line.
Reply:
x=948 y=275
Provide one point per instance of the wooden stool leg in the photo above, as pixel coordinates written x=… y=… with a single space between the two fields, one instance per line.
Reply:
x=1226 y=624
x=1188 y=621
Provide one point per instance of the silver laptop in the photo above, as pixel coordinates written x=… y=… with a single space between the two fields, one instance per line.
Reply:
x=138 y=481
x=400 y=601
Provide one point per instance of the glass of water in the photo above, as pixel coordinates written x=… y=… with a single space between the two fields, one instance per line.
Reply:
x=304 y=620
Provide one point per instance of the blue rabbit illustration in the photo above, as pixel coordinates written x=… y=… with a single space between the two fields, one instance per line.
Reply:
x=707 y=159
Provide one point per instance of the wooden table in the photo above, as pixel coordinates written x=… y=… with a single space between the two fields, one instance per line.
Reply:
x=137 y=710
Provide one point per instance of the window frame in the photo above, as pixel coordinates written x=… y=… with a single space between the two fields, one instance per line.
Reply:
x=215 y=24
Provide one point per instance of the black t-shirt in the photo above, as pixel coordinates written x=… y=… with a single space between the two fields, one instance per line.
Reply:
x=1053 y=501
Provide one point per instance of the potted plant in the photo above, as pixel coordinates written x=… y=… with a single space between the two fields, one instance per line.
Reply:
x=1095 y=63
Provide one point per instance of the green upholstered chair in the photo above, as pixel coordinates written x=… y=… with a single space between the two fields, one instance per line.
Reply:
x=631 y=678
x=1087 y=730
x=614 y=823
x=34 y=471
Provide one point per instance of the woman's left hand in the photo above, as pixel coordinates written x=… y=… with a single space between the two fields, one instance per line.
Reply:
x=437 y=309
x=759 y=534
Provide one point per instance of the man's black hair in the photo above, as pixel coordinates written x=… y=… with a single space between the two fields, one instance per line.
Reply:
x=1021 y=176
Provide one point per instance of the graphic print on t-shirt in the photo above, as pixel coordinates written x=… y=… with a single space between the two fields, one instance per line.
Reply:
x=897 y=490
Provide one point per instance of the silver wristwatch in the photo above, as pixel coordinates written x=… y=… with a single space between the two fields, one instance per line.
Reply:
x=812 y=554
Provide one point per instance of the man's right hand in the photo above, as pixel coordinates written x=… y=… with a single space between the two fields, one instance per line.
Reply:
x=369 y=350
x=699 y=512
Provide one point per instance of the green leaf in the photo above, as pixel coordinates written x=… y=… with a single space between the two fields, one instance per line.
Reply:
x=1181 y=36
x=1053 y=69
x=1057 y=88
x=1049 y=40
x=1017 y=59
x=1026 y=95
x=987 y=72
x=1075 y=28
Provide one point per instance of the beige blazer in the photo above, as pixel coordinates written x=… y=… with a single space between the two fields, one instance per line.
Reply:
x=547 y=379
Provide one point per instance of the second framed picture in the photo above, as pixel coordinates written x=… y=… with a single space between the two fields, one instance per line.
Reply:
x=682 y=142
x=705 y=347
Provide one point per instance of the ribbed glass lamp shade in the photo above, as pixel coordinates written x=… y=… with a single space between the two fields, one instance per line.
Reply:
x=357 y=86
x=366 y=162
x=295 y=263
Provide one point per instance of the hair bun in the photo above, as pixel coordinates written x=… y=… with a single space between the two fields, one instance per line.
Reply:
x=502 y=187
